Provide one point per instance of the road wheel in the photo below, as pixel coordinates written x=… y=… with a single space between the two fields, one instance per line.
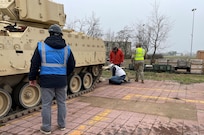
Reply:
x=74 y=84
x=95 y=70
x=87 y=80
x=27 y=96
x=5 y=103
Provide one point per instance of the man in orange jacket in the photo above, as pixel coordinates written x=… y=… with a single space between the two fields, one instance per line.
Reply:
x=116 y=56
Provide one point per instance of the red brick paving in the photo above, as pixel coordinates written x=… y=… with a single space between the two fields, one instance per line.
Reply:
x=84 y=119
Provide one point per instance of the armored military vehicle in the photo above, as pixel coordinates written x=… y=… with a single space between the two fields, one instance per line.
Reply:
x=22 y=24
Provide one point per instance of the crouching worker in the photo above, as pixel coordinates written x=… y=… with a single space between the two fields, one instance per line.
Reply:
x=118 y=74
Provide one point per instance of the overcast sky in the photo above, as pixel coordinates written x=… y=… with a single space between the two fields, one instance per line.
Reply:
x=115 y=14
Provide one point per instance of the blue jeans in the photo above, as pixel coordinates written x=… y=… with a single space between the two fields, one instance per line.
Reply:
x=117 y=79
x=47 y=96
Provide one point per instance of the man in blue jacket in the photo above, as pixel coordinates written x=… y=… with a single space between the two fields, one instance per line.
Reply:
x=55 y=61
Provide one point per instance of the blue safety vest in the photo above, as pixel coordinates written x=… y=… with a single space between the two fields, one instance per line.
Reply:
x=53 y=61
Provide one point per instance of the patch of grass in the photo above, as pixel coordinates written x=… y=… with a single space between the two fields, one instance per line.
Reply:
x=176 y=77
x=180 y=78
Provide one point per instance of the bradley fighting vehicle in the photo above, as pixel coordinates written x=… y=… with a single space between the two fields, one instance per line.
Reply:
x=22 y=24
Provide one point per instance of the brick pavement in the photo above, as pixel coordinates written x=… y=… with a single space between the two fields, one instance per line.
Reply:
x=153 y=108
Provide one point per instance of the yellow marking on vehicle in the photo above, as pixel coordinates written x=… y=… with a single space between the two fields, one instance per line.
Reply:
x=129 y=96
x=99 y=117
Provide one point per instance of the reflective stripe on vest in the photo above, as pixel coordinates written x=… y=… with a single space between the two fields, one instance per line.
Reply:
x=139 y=54
x=53 y=66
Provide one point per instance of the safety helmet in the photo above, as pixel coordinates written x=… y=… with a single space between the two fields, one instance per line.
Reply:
x=55 y=29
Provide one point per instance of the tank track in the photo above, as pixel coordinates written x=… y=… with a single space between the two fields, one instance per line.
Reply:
x=20 y=113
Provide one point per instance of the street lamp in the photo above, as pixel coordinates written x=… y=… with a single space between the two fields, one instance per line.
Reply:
x=143 y=34
x=193 y=10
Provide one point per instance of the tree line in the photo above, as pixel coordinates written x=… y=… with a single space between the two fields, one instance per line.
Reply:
x=152 y=34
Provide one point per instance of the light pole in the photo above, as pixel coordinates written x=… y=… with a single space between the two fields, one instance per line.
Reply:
x=193 y=10
x=143 y=34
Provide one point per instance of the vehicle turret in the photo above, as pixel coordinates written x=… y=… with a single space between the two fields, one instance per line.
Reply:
x=37 y=13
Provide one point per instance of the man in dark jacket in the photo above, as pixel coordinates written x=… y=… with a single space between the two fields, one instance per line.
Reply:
x=55 y=61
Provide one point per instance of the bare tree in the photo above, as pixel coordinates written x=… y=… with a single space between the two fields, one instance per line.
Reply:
x=158 y=29
x=109 y=36
x=77 y=25
x=154 y=33
x=89 y=26
x=123 y=36
x=141 y=35
x=93 y=26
